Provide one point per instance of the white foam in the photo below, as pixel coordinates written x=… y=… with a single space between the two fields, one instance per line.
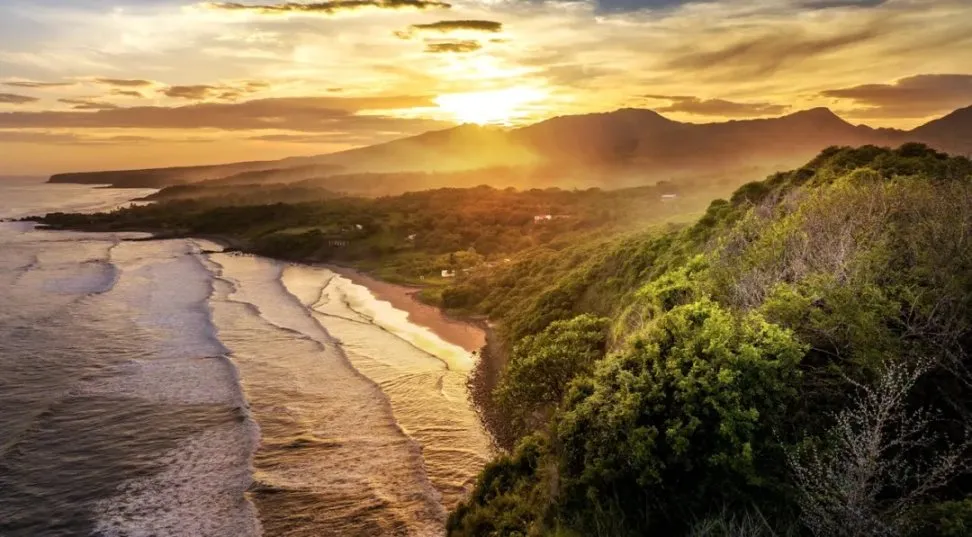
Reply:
x=166 y=289
x=327 y=293
x=199 y=493
x=191 y=381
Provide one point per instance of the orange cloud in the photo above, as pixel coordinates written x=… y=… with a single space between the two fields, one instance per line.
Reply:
x=12 y=98
x=324 y=8
x=717 y=107
x=304 y=114
x=453 y=46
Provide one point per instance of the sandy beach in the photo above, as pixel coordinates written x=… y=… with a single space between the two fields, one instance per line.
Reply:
x=464 y=334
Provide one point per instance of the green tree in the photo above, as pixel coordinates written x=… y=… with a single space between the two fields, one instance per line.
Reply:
x=542 y=366
x=682 y=421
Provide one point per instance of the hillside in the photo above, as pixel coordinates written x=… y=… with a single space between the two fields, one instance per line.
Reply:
x=627 y=147
x=160 y=177
x=407 y=238
x=794 y=363
x=951 y=133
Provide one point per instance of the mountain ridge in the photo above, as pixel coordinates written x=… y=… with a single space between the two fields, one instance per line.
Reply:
x=637 y=141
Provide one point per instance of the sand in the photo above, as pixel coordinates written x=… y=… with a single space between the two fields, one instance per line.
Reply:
x=464 y=334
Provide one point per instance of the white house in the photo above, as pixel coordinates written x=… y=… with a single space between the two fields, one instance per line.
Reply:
x=542 y=218
x=448 y=274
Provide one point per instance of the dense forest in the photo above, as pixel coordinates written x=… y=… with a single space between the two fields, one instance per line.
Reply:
x=409 y=238
x=792 y=361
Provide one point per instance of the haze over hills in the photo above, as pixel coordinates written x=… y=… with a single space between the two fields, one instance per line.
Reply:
x=614 y=149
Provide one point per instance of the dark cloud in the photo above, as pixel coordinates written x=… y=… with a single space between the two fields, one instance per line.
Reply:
x=325 y=8
x=65 y=138
x=453 y=46
x=766 y=54
x=620 y=6
x=127 y=93
x=35 y=137
x=37 y=85
x=831 y=4
x=125 y=83
x=717 y=107
x=915 y=96
x=256 y=85
x=624 y=6
x=193 y=93
x=132 y=139
x=11 y=98
x=335 y=137
x=230 y=95
x=444 y=27
x=303 y=114
x=87 y=104
x=222 y=92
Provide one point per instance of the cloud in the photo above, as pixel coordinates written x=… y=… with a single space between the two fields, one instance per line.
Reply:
x=127 y=93
x=194 y=93
x=620 y=6
x=302 y=114
x=717 y=107
x=911 y=97
x=69 y=138
x=222 y=92
x=87 y=104
x=37 y=85
x=11 y=98
x=35 y=137
x=764 y=55
x=831 y=4
x=328 y=138
x=323 y=8
x=453 y=47
x=125 y=83
x=256 y=85
x=444 y=27
x=627 y=6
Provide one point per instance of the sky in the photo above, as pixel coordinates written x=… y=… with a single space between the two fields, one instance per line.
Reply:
x=110 y=84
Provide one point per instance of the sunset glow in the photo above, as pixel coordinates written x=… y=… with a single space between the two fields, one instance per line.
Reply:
x=132 y=83
x=498 y=107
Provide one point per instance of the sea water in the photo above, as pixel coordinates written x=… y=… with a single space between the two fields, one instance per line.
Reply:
x=165 y=388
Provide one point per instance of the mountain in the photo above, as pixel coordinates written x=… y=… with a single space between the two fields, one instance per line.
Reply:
x=160 y=177
x=952 y=133
x=612 y=149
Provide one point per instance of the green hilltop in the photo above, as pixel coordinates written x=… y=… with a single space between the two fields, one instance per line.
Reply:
x=794 y=363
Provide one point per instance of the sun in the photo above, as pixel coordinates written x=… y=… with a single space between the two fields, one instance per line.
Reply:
x=493 y=107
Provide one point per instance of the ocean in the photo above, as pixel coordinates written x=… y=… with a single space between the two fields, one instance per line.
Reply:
x=166 y=388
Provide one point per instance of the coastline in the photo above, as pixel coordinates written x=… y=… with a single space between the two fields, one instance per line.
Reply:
x=467 y=335
x=477 y=337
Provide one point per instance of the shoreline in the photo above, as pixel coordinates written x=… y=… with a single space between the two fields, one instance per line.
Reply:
x=465 y=334
x=470 y=335
x=478 y=337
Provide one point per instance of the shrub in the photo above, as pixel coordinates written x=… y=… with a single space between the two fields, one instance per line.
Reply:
x=542 y=366
x=682 y=420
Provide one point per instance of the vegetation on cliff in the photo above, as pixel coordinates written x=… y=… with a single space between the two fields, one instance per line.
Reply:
x=794 y=363
x=408 y=238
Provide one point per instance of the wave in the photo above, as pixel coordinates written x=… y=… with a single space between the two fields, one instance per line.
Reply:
x=190 y=496
x=360 y=472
